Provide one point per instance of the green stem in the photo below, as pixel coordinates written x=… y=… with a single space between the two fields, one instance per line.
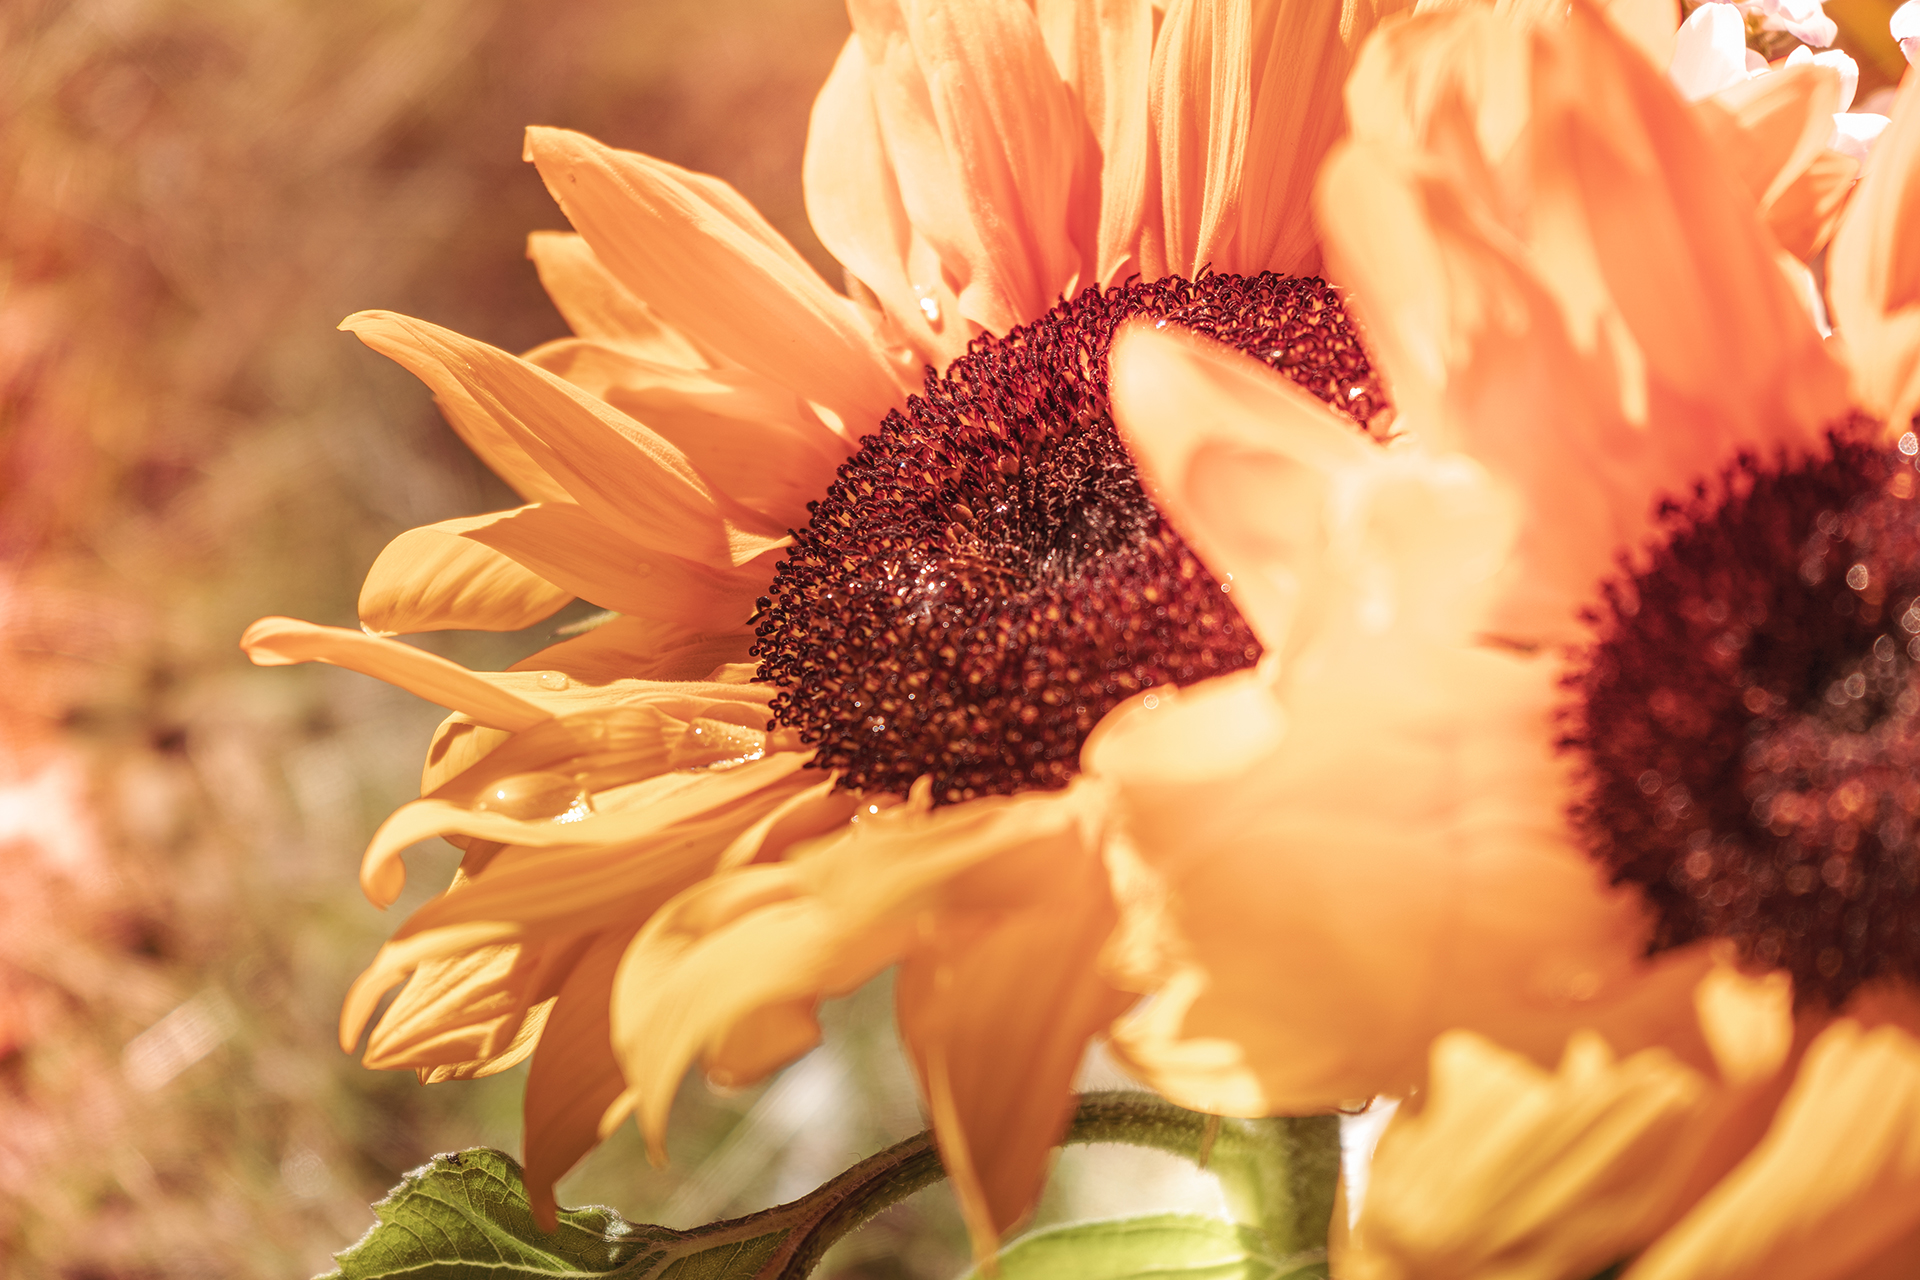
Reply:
x=1278 y=1174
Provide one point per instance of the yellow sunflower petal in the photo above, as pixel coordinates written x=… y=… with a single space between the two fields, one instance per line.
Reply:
x=1460 y=901
x=1014 y=138
x=574 y=1076
x=1512 y=1172
x=598 y=307
x=1833 y=1185
x=730 y=970
x=747 y=438
x=565 y=543
x=1200 y=100
x=855 y=206
x=1873 y=271
x=1290 y=506
x=694 y=249
x=1473 y=213
x=998 y=998
x=277 y=642
x=1302 y=51
x=1804 y=216
x=623 y=647
x=626 y=475
x=566 y=825
x=432 y=579
x=1772 y=127
x=1104 y=50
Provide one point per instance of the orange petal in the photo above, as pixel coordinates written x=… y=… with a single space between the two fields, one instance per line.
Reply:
x=475 y=424
x=1301 y=922
x=1805 y=215
x=931 y=193
x=855 y=206
x=1512 y=1170
x=1200 y=102
x=432 y=579
x=468 y=1008
x=729 y=971
x=998 y=998
x=382 y=875
x=696 y=253
x=537 y=897
x=1833 y=1185
x=1650 y=26
x=1770 y=128
x=1873 y=271
x=1015 y=141
x=624 y=647
x=567 y=544
x=1302 y=51
x=1624 y=291
x=279 y=642
x=574 y=1076
x=597 y=306
x=747 y=438
x=626 y=475
x=1104 y=50
x=1208 y=428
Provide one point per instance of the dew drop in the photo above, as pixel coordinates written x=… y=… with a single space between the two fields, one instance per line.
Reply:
x=536 y=797
x=1857 y=577
x=552 y=680
x=1910 y=444
x=930 y=308
x=640 y=569
x=716 y=744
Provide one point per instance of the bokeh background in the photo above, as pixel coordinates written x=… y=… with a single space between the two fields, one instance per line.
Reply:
x=192 y=194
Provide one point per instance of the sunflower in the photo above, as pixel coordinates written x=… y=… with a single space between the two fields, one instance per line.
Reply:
x=1600 y=678
x=861 y=635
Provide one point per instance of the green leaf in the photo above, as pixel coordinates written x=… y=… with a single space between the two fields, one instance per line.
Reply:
x=466 y=1216
x=1161 y=1246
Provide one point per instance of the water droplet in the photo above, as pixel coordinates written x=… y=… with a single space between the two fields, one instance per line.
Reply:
x=716 y=744
x=640 y=569
x=534 y=797
x=552 y=680
x=1857 y=577
x=1910 y=444
x=1150 y=701
x=930 y=308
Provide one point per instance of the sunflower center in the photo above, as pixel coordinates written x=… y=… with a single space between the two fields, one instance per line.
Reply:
x=986 y=577
x=1749 y=721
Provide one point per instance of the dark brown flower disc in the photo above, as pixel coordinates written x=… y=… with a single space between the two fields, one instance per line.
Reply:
x=986 y=577
x=1748 y=720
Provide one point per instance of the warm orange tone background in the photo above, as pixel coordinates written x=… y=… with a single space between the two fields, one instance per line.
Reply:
x=192 y=194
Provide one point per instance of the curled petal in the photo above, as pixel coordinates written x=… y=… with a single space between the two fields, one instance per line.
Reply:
x=278 y=642
x=432 y=579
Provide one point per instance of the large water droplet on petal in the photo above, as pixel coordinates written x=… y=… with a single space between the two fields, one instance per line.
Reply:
x=536 y=797
x=715 y=744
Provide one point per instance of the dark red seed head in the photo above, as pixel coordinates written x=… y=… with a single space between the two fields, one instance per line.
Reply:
x=986 y=578
x=1748 y=720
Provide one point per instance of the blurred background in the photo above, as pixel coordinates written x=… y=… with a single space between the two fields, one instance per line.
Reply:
x=192 y=194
